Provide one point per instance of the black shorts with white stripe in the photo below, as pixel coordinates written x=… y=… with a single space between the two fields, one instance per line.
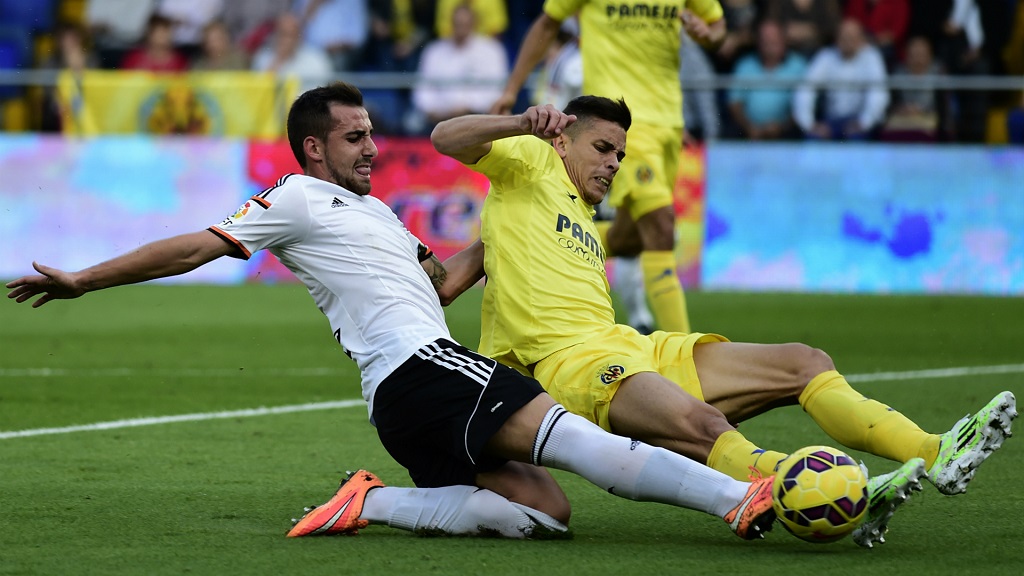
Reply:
x=436 y=412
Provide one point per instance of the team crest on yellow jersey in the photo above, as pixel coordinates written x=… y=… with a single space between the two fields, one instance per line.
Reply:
x=644 y=174
x=612 y=373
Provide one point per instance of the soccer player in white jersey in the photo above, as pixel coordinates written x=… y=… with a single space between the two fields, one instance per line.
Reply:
x=472 y=433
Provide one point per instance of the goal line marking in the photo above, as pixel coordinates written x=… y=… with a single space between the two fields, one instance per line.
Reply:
x=332 y=405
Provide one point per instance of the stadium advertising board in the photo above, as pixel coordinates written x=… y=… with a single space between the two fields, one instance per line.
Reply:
x=822 y=218
x=865 y=218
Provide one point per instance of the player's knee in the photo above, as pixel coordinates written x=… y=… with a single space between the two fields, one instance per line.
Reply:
x=807 y=362
x=698 y=429
x=558 y=507
x=712 y=424
x=534 y=487
x=554 y=503
x=658 y=229
x=622 y=243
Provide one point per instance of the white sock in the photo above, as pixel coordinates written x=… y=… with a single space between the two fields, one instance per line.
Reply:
x=461 y=510
x=630 y=468
x=629 y=283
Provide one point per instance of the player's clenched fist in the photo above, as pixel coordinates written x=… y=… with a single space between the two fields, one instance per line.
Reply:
x=545 y=121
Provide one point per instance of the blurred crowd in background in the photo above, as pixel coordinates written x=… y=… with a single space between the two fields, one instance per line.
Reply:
x=819 y=69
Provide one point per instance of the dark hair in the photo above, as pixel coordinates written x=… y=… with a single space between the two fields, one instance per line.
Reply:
x=310 y=114
x=157 y=20
x=587 y=107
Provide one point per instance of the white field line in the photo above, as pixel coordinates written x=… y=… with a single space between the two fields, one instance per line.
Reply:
x=132 y=422
x=248 y=413
x=937 y=373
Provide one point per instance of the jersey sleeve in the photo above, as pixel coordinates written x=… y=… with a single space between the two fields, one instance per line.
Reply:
x=274 y=218
x=513 y=162
x=562 y=9
x=707 y=10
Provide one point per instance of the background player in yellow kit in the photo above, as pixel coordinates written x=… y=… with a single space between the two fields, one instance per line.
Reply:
x=547 y=312
x=631 y=51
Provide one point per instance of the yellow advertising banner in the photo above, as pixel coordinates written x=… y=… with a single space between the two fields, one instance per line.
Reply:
x=242 y=104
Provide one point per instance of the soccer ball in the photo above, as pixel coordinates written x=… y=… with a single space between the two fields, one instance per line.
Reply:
x=820 y=494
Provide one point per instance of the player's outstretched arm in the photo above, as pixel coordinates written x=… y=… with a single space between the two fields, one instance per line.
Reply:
x=468 y=138
x=462 y=270
x=168 y=257
x=535 y=45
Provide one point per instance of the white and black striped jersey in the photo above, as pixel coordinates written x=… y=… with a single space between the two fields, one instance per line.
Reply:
x=358 y=261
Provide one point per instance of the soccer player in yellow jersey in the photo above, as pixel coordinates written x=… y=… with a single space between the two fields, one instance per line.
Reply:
x=547 y=312
x=631 y=50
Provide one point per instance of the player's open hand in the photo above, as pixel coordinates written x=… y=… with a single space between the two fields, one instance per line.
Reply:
x=545 y=122
x=52 y=283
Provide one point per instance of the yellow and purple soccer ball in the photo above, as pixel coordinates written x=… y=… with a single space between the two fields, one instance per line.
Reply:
x=820 y=494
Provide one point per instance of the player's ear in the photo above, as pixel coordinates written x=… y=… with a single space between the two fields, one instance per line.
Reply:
x=561 y=144
x=313 y=148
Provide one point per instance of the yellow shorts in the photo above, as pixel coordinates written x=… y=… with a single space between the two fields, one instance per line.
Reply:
x=585 y=377
x=647 y=177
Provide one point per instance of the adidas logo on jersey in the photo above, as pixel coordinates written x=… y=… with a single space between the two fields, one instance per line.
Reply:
x=337 y=203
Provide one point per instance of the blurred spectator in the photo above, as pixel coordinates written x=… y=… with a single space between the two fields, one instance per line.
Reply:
x=856 y=97
x=700 y=110
x=1013 y=51
x=767 y=114
x=808 y=24
x=157 y=53
x=75 y=55
x=287 y=55
x=460 y=75
x=339 y=27
x=998 y=21
x=398 y=31
x=413 y=28
x=116 y=26
x=1015 y=123
x=219 y=52
x=960 y=50
x=885 y=21
x=521 y=14
x=251 y=22
x=917 y=114
x=491 y=16
x=190 y=18
x=740 y=20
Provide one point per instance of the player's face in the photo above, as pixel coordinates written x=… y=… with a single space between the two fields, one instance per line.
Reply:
x=592 y=157
x=349 y=150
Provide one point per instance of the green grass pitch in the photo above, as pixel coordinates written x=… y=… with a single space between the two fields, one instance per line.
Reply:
x=215 y=496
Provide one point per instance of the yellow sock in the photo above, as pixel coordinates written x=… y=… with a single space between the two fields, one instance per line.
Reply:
x=664 y=293
x=864 y=424
x=733 y=455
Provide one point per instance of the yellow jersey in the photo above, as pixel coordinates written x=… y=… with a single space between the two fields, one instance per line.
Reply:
x=546 y=287
x=631 y=51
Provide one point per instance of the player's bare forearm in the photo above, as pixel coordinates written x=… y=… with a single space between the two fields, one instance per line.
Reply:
x=532 y=50
x=168 y=257
x=435 y=271
x=464 y=269
x=468 y=138
x=160 y=259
